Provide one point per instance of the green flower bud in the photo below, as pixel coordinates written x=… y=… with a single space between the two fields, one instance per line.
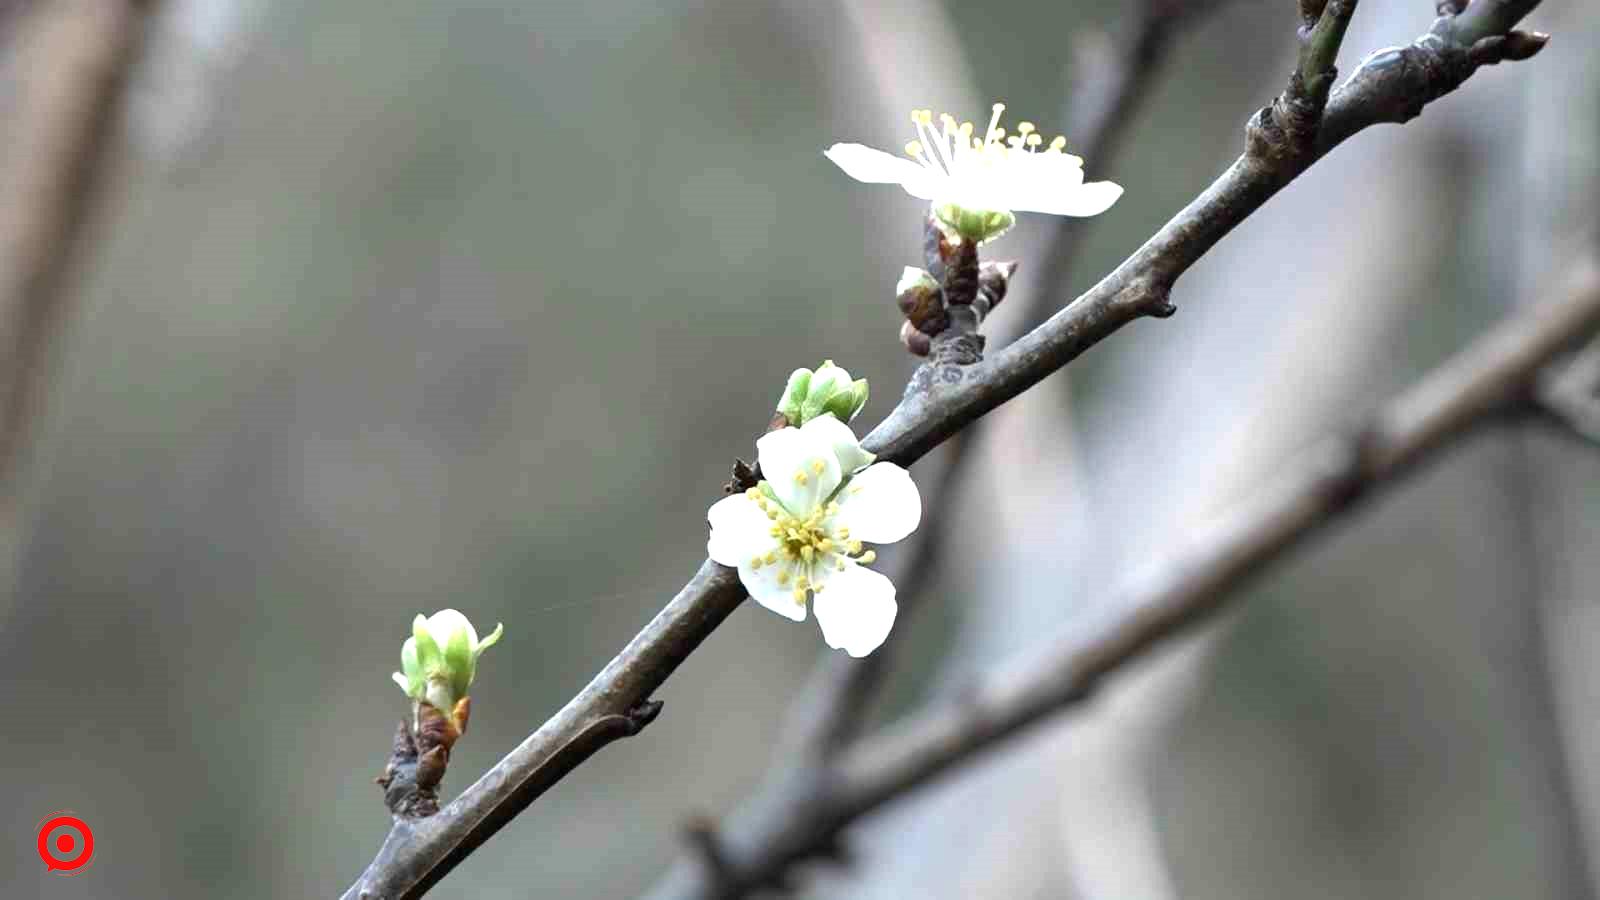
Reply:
x=440 y=659
x=827 y=390
x=794 y=393
x=826 y=383
x=975 y=225
x=845 y=404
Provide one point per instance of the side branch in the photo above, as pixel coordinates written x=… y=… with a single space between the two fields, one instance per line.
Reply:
x=943 y=397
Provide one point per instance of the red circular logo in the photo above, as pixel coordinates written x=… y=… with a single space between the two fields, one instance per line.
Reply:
x=66 y=845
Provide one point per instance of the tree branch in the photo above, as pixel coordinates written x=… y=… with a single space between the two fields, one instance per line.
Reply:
x=78 y=59
x=942 y=398
x=1178 y=591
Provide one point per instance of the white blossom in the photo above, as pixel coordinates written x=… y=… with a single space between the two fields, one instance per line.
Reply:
x=975 y=185
x=800 y=532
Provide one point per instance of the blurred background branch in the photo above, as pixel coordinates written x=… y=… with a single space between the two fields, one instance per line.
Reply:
x=1482 y=384
x=76 y=62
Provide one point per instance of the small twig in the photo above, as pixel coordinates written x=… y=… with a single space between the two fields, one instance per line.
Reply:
x=1188 y=585
x=942 y=399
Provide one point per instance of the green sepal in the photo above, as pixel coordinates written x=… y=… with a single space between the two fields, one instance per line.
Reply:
x=458 y=661
x=976 y=225
x=794 y=394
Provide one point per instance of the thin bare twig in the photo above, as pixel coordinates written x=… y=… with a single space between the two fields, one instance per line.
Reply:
x=78 y=56
x=944 y=396
x=1183 y=587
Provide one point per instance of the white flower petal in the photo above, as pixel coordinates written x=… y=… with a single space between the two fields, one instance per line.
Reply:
x=802 y=470
x=446 y=622
x=873 y=166
x=880 y=505
x=1089 y=199
x=856 y=611
x=877 y=167
x=763 y=586
x=739 y=530
x=837 y=435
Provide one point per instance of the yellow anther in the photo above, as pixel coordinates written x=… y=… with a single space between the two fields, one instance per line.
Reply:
x=802 y=582
x=868 y=557
x=800 y=596
x=783 y=578
x=1058 y=142
x=965 y=129
x=771 y=557
x=842 y=534
x=824 y=546
x=754 y=494
x=1025 y=127
x=772 y=514
x=999 y=107
x=800 y=478
x=1034 y=140
x=757 y=562
x=914 y=149
x=818 y=466
x=775 y=531
x=855 y=548
x=833 y=508
x=807 y=553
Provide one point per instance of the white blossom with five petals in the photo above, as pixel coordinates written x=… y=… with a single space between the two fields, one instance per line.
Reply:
x=995 y=176
x=801 y=531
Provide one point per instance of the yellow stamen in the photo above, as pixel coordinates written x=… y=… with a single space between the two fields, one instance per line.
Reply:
x=914 y=149
x=1058 y=143
x=868 y=557
x=800 y=478
x=818 y=466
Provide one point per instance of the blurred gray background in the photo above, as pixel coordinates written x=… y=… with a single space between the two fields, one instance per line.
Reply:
x=397 y=306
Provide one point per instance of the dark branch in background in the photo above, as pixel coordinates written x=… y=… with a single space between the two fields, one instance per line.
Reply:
x=1186 y=586
x=76 y=63
x=941 y=399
